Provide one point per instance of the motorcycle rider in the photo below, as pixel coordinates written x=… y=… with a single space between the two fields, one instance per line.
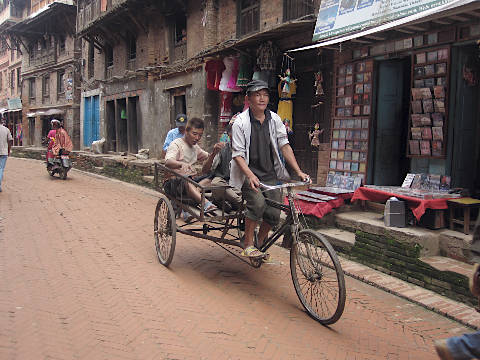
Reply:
x=51 y=139
x=63 y=144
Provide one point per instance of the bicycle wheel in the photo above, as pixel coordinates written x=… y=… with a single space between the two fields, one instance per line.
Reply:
x=317 y=277
x=165 y=229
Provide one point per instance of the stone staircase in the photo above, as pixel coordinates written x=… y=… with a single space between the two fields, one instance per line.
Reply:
x=438 y=260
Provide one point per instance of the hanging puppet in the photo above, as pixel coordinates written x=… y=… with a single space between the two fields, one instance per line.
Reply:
x=314 y=135
x=286 y=82
x=287 y=88
x=319 y=84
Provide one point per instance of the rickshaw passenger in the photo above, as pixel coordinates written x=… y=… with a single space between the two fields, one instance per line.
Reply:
x=258 y=137
x=181 y=155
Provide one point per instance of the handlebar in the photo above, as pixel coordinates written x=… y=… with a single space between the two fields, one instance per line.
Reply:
x=266 y=187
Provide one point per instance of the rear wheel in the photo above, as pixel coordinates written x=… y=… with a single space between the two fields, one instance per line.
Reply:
x=165 y=229
x=63 y=173
x=317 y=277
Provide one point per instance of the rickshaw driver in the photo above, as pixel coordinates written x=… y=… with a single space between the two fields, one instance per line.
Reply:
x=257 y=136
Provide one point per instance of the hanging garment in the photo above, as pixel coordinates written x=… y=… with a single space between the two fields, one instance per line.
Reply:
x=229 y=63
x=232 y=83
x=214 y=69
x=226 y=106
x=267 y=56
x=285 y=103
x=244 y=71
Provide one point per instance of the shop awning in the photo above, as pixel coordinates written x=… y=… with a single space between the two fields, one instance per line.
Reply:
x=452 y=8
x=47 y=112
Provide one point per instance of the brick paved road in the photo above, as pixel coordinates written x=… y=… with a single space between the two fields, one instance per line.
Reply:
x=79 y=279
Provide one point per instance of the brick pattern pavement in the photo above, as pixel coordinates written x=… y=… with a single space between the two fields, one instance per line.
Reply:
x=79 y=279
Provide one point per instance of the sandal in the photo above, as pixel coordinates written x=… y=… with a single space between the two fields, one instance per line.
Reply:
x=267 y=258
x=252 y=252
x=209 y=207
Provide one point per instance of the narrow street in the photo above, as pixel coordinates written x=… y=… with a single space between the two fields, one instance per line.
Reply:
x=79 y=279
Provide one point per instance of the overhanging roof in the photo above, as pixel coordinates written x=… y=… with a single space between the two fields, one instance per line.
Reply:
x=457 y=10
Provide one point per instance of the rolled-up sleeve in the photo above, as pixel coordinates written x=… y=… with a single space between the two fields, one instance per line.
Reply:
x=238 y=142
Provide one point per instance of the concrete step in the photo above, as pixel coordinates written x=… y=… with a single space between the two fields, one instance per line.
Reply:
x=98 y=169
x=338 y=238
x=455 y=244
x=443 y=263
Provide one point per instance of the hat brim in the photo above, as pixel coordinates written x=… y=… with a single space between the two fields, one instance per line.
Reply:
x=180 y=124
x=257 y=88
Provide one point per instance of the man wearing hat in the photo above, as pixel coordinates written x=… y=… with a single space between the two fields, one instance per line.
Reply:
x=258 y=137
x=178 y=132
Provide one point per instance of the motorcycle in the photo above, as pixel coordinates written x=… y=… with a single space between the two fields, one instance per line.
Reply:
x=59 y=164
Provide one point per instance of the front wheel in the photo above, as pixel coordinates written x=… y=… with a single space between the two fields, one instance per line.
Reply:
x=63 y=173
x=165 y=229
x=317 y=277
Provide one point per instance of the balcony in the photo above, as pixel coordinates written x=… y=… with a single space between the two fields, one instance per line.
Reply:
x=43 y=59
x=87 y=14
x=9 y=16
x=295 y=9
x=109 y=72
x=179 y=52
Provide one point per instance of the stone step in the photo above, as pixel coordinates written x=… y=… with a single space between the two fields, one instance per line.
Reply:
x=443 y=263
x=149 y=179
x=338 y=238
x=455 y=244
x=98 y=169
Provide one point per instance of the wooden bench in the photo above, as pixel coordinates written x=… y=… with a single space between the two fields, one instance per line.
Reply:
x=456 y=206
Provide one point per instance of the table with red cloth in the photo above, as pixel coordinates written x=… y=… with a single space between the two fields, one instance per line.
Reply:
x=417 y=205
x=320 y=209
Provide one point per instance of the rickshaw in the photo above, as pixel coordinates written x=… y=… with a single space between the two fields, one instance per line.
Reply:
x=316 y=272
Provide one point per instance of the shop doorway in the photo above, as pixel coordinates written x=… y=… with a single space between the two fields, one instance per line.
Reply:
x=132 y=125
x=393 y=86
x=466 y=119
x=31 y=130
x=91 y=122
x=122 y=128
x=111 y=128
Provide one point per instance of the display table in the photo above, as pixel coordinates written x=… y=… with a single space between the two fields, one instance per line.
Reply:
x=464 y=206
x=417 y=205
x=320 y=209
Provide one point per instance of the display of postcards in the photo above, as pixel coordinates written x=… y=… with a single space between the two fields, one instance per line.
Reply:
x=348 y=101
x=356 y=110
x=340 y=91
x=425 y=147
x=429 y=69
x=333 y=154
x=407 y=182
x=425 y=120
x=341 y=70
x=335 y=134
x=441 y=81
x=439 y=92
x=417 y=182
x=416 y=133
x=367 y=77
x=414 y=147
x=364 y=123
x=341 y=101
x=358 y=123
x=366 y=110
x=341 y=144
x=359 y=77
x=368 y=65
x=363 y=156
x=432 y=56
x=437 y=133
x=427 y=133
x=350 y=123
x=407 y=43
x=418 y=83
x=427 y=105
x=437 y=148
x=341 y=81
x=354 y=167
x=348 y=155
x=335 y=144
x=432 y=38
x=346 y=166
x=445 y=182
x=360 y=66
x=355 y=155
x=442 y=54
x=362 y=167
x=357 y=134
x=348 y=111
x=437 y=119
x=349 y=135
x=364 y=146
x=356 y=145
x=349 y=144
x=416 y=93
x=420 y=58
x=416 y=122
x=418 y=71
x=367 y=88
x=336 y=124
x=429 y=83
x=441 y=68
x=418 y=41
x=340 y=155
x=349 y=69
x=364 y=135
x=333 y=164
x=343 y=124
x=349 y=80
x=416 y=107
x=340 y=111
x=439 y=105
x=426 y=93
x=330 y=176
x=359 y=89
x=357 y=99
x=339 y=165
x=342 y=134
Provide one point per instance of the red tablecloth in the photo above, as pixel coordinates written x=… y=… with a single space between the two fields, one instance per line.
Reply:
x=418 y=206
x=319 y=209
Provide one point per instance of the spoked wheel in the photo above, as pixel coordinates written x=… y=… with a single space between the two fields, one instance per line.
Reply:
x=165 y=230
x=317 y=276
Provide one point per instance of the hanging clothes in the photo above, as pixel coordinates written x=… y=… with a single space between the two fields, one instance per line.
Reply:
x=244 y=70
x=228 y=74
x=214 y=69
x=267 y=56
x=226 y=107
x=232 y=83
x=285 y=103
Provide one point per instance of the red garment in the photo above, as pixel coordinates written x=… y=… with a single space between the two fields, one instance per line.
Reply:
x=62 y=141
x=319 y=209
x=226 y=106
x=214 y=69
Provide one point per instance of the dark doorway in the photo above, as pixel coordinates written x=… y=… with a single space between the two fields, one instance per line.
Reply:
x=179 y=105
x=122 y=128
x=31 y=131
x=465 y=120
x=132 y=125
x=110 y=126
x=390 y=163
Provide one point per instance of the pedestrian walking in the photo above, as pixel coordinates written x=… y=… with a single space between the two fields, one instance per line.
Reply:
x=6 y=141
x=467 y=346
